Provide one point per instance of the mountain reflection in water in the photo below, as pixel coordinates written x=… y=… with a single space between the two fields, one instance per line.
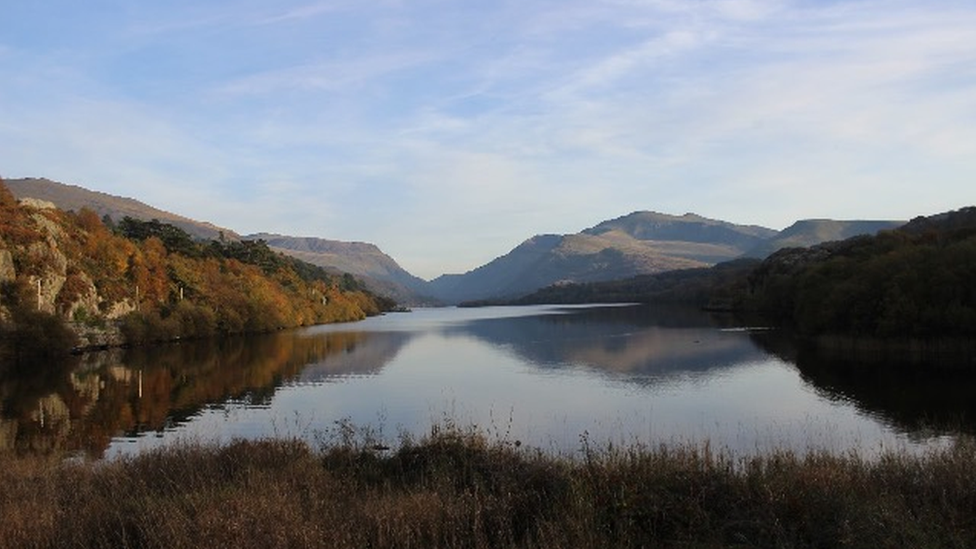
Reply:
x=647 y=345
x=630 y=372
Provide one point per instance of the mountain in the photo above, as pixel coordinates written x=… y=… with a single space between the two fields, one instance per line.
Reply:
x=378 y=271
x=639 y=243
x=381 y=272
x=71 y=197
x=66 y=278
x=895 y=295
x=810 y=232
x=690 y=236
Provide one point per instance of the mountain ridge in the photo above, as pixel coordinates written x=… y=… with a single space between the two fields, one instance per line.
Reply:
x=642 y=242
x=72 y=197
x=639 y=243
x=810 y=232
x=363 y=259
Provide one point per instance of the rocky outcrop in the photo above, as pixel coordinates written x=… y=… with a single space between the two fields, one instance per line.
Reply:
x=99 y=336
x=48 y=284
x=70 y=276
x=51 y=281
x=37 y=203
x=119 y=309
x=80 y=297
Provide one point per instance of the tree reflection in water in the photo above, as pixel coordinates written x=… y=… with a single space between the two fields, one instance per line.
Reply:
x=681 y=364
x=921 y=396
x=81 y=403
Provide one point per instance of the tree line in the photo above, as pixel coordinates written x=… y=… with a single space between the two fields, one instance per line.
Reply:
x=917 y=281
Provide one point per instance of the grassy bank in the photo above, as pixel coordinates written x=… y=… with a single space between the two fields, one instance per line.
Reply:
x=456 y=489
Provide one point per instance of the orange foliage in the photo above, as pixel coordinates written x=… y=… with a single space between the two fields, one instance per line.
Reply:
x=177 y=295
x=15 y=229
x=7 y=199
x=89 y=221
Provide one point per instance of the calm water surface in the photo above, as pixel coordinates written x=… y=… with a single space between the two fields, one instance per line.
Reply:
x=545 y=376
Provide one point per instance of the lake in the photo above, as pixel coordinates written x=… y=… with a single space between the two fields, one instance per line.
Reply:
x=545 y=376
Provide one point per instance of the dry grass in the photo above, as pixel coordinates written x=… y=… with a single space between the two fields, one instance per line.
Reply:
x=456 y=489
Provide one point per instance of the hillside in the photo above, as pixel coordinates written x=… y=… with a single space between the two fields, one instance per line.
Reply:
x=636 y=244
x=810 y=232
x=74 y=198
x=915 y=281
x=66 y=279
x=380 y=272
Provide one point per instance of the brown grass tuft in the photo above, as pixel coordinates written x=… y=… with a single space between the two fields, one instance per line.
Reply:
x=457 y=489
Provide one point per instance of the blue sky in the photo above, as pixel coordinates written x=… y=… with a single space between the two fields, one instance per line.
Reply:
x=447 y=132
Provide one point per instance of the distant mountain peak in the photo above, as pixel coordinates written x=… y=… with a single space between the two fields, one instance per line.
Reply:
x=641 y=242
x=809 y=232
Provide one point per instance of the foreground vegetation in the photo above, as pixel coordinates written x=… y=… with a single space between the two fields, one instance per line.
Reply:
x=457 y=489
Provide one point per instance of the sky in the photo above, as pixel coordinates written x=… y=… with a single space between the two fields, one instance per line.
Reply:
x=447 y=132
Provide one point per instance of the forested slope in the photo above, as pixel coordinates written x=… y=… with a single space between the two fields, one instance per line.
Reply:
x=65 y=275
x=916 y=281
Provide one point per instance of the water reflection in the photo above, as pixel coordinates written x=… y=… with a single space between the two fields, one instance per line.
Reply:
x=644 y=343
x=919 y=396
x=80 y=404
x=361 y=353
x=555 y=371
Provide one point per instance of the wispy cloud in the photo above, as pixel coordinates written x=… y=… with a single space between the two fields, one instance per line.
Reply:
x=305 y=11
x=639 y=59
x=485 y=123
x=332 y=75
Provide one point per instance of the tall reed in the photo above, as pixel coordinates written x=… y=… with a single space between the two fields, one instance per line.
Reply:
x=456 y=488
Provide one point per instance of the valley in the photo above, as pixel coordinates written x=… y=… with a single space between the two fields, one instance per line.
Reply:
x=639 y=243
